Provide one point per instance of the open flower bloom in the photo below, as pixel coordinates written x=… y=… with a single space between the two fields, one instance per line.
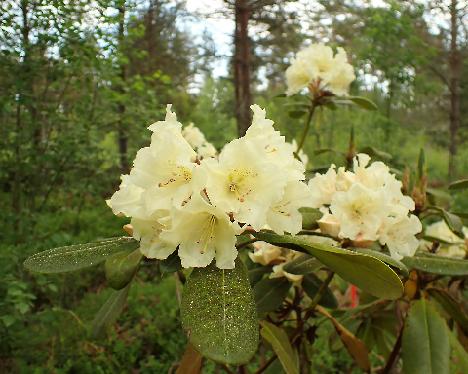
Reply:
x=284 y=216
x=148 y=231
x=203 y=232
x=399 y=235
x=317 y=66
x=243 y=183
x=127 y=200
x=366 y=204
x=360 y=212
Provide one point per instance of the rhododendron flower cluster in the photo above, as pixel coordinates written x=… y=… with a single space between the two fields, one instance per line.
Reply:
x=366 y=204
x=178 y=198
x=268 y=254
x=319 y=69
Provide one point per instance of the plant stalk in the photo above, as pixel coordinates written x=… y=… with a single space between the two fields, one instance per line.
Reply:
x=307 y=127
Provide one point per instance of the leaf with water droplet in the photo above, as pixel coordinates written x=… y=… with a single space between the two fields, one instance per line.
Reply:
x=78 y=256
x=218 y=313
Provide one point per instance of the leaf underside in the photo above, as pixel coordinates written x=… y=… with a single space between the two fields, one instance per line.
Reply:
x=78 y=256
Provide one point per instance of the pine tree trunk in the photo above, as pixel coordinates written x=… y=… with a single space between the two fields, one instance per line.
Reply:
x=122 y=131
x=242 y=66
x=454 y=88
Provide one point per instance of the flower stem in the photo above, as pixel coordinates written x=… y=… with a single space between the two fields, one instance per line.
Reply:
x=307 y=126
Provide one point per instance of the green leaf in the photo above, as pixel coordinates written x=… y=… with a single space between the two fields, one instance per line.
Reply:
x=170 y=264
x=451 y=306
x=454 y=222
x=310 y=216
x=121 y=267
x=425 y=345
x=385 y=258
x=218 y=314
x=110 y=311
x=79 y=256
x=256 y=273
x=279 y=341
x=376 y=153
x=461 y=184
x=438 y=195
x=311 y=284
x=296 y=113
x=459 y=362
x=364 y=271
x=435 y=264
x=363 y=102
x=270 y=293
x=303 y=264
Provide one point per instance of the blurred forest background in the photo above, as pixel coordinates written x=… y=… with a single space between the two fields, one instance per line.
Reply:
x=81 y=80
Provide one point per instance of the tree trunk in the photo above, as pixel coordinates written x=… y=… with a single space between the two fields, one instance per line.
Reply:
x=454 y=88
x=122 y=130
x=242 y=66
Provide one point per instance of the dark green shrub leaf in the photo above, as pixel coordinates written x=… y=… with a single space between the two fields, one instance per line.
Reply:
x=461 y=184
x=451 y=306
x=310 y=216
x=311 y=284
x=170 y=264
x=425 y=345
x=364 y=271
x=279 y=341
x=270 y=293
x=110 y=311
x=385 y=258
x=121 y=267
x=435 y=264
x=303 y=264
x=459 y=362
x=363 y=102
x=218 y=314
x=376 y=153
x=79 y=256
x=257 y=272
x=296 y=113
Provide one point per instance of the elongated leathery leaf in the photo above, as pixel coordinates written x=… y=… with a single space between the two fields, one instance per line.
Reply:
x=110 y=311
x=270 y=293
x=218 y=313
x=364 y=271
x=435 y=264
x=79 y=256
x=451 y=306
x=303 y=264
x=425 y=345
x=459 y=185
x=279 y=341
x=384 y=258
